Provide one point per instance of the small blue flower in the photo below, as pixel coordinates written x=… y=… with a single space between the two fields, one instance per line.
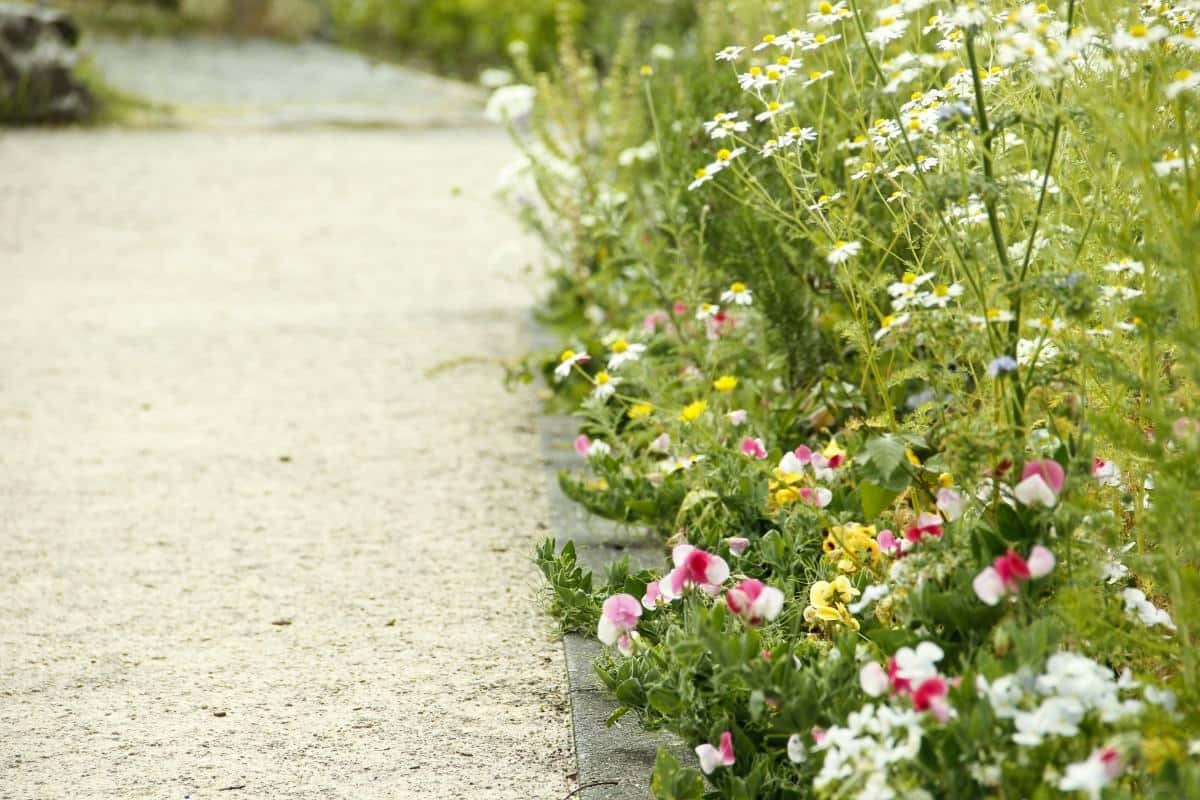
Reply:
x=1001 y=365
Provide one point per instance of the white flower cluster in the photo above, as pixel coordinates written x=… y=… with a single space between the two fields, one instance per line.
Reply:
x=859 y=754
x=1056 y=702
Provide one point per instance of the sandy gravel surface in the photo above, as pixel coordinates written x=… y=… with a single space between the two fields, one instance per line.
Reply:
x=245 y=541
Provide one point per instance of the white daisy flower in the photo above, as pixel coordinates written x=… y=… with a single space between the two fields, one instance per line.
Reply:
x=738 y=294
x=843 y=252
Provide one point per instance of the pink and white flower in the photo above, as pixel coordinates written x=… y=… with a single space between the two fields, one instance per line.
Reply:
x=927 y=526
x=653 y=598
x=754 y=601
x=618 y=622
x=737 y=544
x=753 y=448
x=818 y=496
x=587 y=448
x=694 y=568
x=1106 y=472
x=738 y=416
x=1009 y=571
x=950 y=503
x=719 y=756
x=1041 y=481
x=1091 y=776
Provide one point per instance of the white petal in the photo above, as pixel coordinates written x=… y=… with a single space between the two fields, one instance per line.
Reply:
x=873 y=679
x=988 y=586
x=1034 y=491
x=1040 y=561
x=607 y=632
x=768 y=605
x=710 y=757
x=717 y=571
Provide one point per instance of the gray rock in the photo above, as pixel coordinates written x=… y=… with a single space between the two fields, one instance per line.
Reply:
x=37 y=61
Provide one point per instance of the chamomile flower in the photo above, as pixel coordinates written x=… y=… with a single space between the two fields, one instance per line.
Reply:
x=904 y=291
x=730 y=53
x=843 y=251
x=1126 y=266
x=706 y=310
x=816 y=76
x=1138 y=37
x=890 y=322
x=773 y=109
x=703 y=176
x=605 y=385
x=993 y=316
x=1184 y=80
x=567 y=362
x=890 y=29
x=738 y=294
x=725 y=124
x=824 y=200
x=624 y=352
x=812 y=42
x=941 y=295
x=828 y=14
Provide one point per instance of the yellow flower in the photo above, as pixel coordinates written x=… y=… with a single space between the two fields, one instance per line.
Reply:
x=725 y=383
x=647 y=70
x=640 y=410
x=912 y=457
x=945 y=480
x=693 y=411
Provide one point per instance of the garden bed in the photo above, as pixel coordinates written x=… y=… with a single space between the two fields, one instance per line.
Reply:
x=880 y=327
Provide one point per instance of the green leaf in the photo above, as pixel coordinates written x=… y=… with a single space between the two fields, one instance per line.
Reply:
x=875 y=499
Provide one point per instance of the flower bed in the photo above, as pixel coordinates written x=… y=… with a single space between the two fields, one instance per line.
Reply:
x=885 y=323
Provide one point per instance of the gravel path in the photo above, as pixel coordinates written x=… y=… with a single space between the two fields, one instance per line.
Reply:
x=246 y=542
x=259 y=82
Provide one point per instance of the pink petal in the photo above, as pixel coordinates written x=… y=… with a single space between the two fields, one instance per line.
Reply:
x=737 y=544
x=652 y=595
x=1049 y=470
x=582 y=444
x=726 y=748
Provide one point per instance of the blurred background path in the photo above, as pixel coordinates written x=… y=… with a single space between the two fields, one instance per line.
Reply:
x=250 y=546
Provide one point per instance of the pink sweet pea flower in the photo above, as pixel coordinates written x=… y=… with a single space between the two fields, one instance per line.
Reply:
x=679 y=308
x=738 y=416
x=695 y=568
x=1091 y=776
x=950 y=503
x=926 y=525
x=1106 y=472
x=720 y=756
x=1009 y=571
x=931 y=695
x=737 y=544
x=618 y=618
x=653 y=596
x=874 y=679
x=754 y=601
x=754 y=448
x=888 y=543
x=651 y=321
x=818 y=496
x=1041 y=481
x=588 y=448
